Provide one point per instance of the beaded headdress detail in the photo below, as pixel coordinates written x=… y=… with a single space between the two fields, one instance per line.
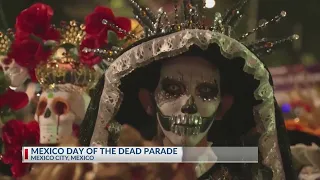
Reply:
x=189 y=16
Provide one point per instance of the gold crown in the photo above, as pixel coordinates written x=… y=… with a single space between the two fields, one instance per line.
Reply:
x=64 y=66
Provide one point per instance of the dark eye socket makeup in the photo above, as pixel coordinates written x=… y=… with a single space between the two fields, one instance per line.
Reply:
x=207 y=90
x=173 y=87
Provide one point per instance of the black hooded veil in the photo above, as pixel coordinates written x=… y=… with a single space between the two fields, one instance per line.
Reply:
x=238 y=78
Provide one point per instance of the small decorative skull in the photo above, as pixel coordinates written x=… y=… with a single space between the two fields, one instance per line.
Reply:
x=56 y=113
x=17 y=74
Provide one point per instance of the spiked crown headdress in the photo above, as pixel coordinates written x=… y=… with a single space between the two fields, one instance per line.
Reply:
x=190 y=17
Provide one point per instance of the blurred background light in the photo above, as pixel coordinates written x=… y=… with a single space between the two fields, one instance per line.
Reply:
x=286 y=108
x=210 y=3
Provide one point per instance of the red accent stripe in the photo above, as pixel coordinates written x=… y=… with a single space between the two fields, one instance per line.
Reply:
x=26 y=154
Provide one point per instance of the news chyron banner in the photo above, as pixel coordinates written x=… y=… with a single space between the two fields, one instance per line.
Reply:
x=139 y=154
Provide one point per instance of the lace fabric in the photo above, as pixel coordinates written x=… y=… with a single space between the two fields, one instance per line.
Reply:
x=178 y=43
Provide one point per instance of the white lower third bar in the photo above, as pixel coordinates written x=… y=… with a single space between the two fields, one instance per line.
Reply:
x=140 y=154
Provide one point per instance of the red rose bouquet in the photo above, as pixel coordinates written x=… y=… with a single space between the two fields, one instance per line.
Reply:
x=32 y=28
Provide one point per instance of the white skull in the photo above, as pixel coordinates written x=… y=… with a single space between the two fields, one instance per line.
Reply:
x=56 y=113
x=17 y=74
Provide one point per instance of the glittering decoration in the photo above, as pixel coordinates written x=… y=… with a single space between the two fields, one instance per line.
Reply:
x=118 y=29
x=5 y=42
x=265 y=46
x=114 y=128
x=265 y=24
x=217 y=23
x=176 y=14
x=72 y=32
x=186 y=7
x=64 y=66
x=158 y=23
x=144 y=15
x=234 y=14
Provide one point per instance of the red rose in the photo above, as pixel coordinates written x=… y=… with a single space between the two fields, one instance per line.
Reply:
x=28 y=53
x=94 y=26
x=90 y=59
x=32 y=133
x=34 y=20
x=13 y=133
x=15 y=100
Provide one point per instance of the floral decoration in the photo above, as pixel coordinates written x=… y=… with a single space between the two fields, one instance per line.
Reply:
x=94 y=26
x=98 y=35
x=14 y=100
x=35 y=20
x=16 y=134
x=90 y=59
x=33 y=27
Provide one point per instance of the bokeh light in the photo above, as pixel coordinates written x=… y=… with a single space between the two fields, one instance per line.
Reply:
x=210 y=3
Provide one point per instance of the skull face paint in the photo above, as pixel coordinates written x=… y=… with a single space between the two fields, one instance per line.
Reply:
x=187 y=98
x=56 y=114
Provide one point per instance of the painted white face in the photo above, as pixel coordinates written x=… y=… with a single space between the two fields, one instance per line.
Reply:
x=56 y=114
x=187 y=98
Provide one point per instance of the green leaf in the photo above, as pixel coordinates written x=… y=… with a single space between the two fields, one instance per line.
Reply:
x=112 y=37
x=7 y=118
x=121 y=42
x=6 y=114
x=4 y=83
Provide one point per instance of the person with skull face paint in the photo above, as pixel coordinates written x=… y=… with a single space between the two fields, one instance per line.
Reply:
x=188 y=85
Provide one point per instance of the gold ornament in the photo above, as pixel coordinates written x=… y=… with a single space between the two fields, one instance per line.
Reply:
x=5 y=43
x=64 y=66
